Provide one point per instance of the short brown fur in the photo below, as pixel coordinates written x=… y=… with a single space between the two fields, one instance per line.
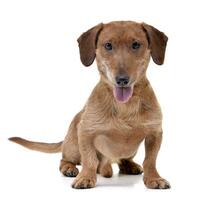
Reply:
x=108 y=131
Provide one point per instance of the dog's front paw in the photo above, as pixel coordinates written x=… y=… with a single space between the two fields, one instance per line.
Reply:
x=84 y=182
x=156 y=183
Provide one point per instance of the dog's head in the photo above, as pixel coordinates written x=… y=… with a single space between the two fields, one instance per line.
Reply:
x=122 y=51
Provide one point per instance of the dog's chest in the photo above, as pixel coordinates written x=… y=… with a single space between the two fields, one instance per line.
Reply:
x=123 y=119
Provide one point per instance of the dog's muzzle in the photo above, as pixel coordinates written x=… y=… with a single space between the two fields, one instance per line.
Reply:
x=122 y=90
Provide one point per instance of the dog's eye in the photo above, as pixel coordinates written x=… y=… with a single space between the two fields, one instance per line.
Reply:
x=135 y=45
x=108 y=46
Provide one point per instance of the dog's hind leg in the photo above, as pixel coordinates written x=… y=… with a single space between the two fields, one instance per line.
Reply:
x=70 y=158
x=104 y=168
x=70 y=150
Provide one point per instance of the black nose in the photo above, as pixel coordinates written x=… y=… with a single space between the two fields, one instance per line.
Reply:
x=122 y=80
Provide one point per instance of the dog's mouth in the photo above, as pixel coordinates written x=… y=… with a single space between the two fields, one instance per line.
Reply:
x=123 y=94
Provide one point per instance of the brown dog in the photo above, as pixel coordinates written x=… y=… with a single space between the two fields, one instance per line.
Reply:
x=122 y=110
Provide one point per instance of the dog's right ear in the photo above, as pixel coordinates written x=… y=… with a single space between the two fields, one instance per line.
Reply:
x=87 y=44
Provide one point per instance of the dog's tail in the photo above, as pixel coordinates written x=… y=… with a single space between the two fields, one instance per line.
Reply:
x=38 y=146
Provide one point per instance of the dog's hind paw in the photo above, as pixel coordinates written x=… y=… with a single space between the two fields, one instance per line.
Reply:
x=71 y=172
x=130 y=167
x=68 y=169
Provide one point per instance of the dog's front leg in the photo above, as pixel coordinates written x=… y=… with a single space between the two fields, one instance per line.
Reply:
x=87 y=177
x=151 y=177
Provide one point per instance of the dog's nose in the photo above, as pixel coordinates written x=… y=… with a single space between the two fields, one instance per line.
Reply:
x=122 y=80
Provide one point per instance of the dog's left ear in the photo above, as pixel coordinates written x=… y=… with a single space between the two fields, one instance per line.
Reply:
x=87 y=44
x=157 y=43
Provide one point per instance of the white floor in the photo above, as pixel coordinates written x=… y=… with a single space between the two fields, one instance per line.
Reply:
x=31 y=175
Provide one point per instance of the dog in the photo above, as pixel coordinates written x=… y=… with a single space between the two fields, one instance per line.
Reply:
x=121 y=111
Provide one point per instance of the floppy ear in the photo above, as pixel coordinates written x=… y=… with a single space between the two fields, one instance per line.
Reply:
x=157 y=43
x=87 y=44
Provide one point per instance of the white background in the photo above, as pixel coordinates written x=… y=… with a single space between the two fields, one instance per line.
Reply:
x=43 y=85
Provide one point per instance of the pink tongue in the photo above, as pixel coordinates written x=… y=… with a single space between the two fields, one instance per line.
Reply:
x=123 y=94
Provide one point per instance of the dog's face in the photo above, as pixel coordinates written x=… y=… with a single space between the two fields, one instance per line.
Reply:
x=122 y=51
